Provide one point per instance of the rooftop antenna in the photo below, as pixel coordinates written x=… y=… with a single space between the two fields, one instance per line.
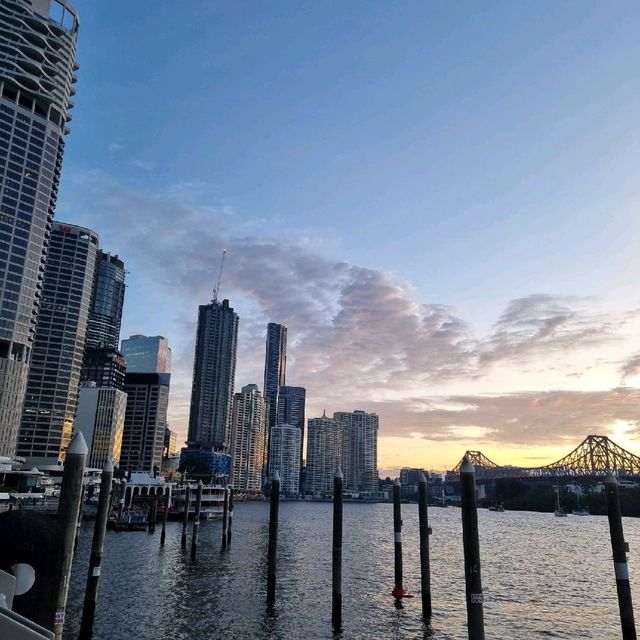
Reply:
x=217 y=289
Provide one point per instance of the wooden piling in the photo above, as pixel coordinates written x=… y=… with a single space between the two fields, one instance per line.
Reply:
x=152 y=515
x=165 y=515
x=185 y=516
x=471 y=543
x=425 y=570
x=273 y=539
x=230 y=520
x=97 y=548
x=621 y=567
x=336 y=594
x=225 y=516
x=398 y=590
x=196 y=522
x=67 y=519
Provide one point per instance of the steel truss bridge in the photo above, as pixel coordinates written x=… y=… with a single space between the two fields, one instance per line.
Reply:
x=594 y=457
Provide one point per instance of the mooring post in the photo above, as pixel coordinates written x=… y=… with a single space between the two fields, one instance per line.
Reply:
x=398 y=590
x=185 y=516
x=67 y=519
x=336 y=599
x=471 y=543
x=225 y=516
x=230 y=521
x=152 y=515
x=79 y=523
x=97 y=548
x=273 y=539
x=425 y=570
x=123 y=484
x=619 y=547
x=165 y=515
x=196 y=522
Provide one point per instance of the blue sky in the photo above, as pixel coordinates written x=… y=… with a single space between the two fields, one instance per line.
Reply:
x=470 y=167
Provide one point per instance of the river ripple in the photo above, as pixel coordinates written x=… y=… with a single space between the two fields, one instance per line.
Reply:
x=544 y=577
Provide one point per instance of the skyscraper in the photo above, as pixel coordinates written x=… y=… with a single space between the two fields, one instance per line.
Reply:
x=100 y=418
x=291 y=405
x=284 y=457
x=324 y=453
x=54 y=376
x=145 y=421
x=147 y=354
x=214 y=372
x=103 y=329
x=37 y=64
x=359 y=450
x=248 y=441
x=275 y=365
x=104 y=366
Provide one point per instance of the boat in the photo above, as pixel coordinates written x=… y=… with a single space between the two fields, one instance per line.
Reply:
x=497 y=507
x=211 y=506
x=559 y=512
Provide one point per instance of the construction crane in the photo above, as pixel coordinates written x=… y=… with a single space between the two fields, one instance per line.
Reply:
x=217 y=289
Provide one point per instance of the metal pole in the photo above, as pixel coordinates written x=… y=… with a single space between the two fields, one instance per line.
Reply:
x=398 y=590
x=165 y=515
x=471 y=543
x=225 y=517
x=273 y=539
x=230 y=519
x=97 y=547
x=196 y=522
x=185 y=516
x=336 y=599
x=67 y=519
x=425 y=571
x=619 y=548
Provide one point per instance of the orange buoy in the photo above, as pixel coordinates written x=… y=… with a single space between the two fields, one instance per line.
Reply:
x=399 y=592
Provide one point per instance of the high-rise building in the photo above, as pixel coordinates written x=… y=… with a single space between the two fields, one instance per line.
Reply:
x=248 y=439
x=359 y=450
x=37 y=65
x=214 y=372
x=147 y=354
x=324 y=452
x=54 y=375
x=291 y=405
x=170 y=443
x=275 y=365
x=103 y=329
x=145 y=421
x=284 y=457
x=100 y=418
x=104 y=366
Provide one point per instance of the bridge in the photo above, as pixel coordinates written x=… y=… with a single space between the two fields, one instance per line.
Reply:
x=594 y=457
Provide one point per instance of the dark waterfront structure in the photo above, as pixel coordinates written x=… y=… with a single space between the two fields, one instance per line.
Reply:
x=214 y=371
x=54 y=376
x=37 y=65
x=291 y=406
x=147 y=354
x=275 y=365
x=145 y=421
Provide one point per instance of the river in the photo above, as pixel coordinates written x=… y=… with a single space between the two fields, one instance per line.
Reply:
x=543 y=577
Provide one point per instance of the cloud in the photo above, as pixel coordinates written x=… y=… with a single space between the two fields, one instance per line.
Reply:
x=530 y=418
x=145 y=165
x=630 y=368
x=358 y=336
x=116 y=146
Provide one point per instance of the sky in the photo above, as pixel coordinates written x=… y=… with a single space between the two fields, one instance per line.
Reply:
x=439 y=200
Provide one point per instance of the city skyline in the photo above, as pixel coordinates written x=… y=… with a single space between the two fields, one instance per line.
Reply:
x=507 y=283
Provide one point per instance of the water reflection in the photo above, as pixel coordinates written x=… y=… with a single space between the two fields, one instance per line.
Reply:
x=542 y=577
